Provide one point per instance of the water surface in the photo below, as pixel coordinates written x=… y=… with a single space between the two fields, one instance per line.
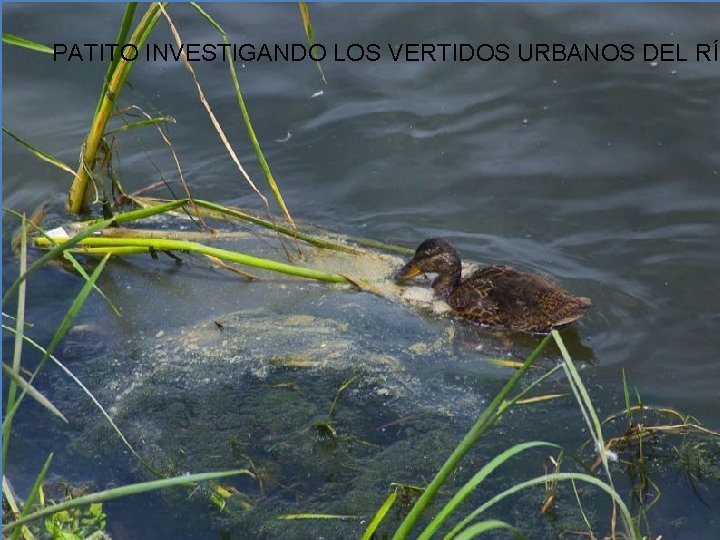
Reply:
x=604 y=175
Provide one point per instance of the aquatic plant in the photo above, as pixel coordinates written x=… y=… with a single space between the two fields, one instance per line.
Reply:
x=696 y=454
x=87 y=190
x=87 y=185
x=469 y=526
x=34 y=506
x=90 y=238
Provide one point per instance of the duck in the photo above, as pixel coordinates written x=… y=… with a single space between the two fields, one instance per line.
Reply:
x=496 y=295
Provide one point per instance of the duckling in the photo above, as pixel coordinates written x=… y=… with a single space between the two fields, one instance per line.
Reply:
x=496 y=295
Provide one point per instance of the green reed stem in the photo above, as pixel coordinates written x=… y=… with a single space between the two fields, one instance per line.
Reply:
x=239 y=214
x=123 y=491
x=246 y=119
x=79 y=196
x=225 y=254
x=486 y=420
x=91 y=228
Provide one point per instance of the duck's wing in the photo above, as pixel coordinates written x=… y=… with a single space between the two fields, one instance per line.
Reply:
x=494 y=272
x=472 y=299
x=529 y=302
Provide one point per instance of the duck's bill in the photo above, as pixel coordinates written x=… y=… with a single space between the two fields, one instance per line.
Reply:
x=408 y=271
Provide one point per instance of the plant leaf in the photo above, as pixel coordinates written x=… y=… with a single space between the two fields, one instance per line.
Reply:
x=305 y=14
x=486 y=420
x=121 y=38
x=476 y=480
x=141 y=123
x=161 y=244
x=57 y=337
x=26 y=44
x=17 y=350
x=92 y=227
x=37 y=486
x=123 y=491
x=630 y=525
x=379 y=516
x=248 y=126
x=317 y=516
x=40 y=154
x=484 y=526
x=35 y=394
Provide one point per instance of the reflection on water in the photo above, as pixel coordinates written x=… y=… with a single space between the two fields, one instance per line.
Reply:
x=601 y=175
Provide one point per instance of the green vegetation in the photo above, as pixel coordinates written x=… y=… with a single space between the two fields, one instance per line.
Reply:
x=60 y=524
x=695 y=455
x=83 y=516
x=645 y=429
x=468 y=527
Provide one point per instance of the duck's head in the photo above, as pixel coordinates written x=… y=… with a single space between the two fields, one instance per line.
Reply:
x=434 y=255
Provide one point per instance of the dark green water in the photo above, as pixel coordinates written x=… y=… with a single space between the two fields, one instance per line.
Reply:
x=602 y=174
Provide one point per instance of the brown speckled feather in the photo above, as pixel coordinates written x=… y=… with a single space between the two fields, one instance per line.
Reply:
x=495 y=295
x=501 y=295
x=473 y=300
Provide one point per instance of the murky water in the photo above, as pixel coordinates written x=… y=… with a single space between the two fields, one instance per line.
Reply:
x=604 y=175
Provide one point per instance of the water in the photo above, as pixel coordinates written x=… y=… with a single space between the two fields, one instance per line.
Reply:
x=603 y=175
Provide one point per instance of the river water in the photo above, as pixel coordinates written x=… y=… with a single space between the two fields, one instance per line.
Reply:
x=603 y=174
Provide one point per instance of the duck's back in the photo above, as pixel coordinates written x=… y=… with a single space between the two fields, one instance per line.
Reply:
x=501 y=295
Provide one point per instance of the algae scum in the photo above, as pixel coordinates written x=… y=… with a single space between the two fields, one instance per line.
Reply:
x=327 y=393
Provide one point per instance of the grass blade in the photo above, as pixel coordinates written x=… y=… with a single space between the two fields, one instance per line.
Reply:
x=123 y=491
x=97 y=404
x=630 y=526
x=379 y=516
x=39 y=153
x=80 y=270
x=91 y=228
x=9 y=497
x=141 y=123
x=208 y=18
x=341 y=517
x=121 y=38
x=35 y=222
x=586 y=407
x=626 y=393
x=476 y=480
x=17 y=351
x=39 y=479
x=307 y=25
x=489 y=525
x=57 y=337
x=213 y=118
x=228 y=211
x=486 y=420
x=35 y=394
x=26 y=44
x=78 y=197
x=248 y=124
x=519 y=397
x=225 y=254
x=344 y=386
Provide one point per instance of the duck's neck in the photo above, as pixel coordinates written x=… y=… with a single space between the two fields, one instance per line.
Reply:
x=446 y=282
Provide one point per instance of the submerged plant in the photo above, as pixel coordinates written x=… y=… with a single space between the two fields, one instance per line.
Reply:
x=84 y=515
x=62 y=519
x=78 y=524
x=473 y=524
x=649 y=436
x=643 y=442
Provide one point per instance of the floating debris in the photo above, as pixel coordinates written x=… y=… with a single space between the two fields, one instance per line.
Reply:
x=284 y=139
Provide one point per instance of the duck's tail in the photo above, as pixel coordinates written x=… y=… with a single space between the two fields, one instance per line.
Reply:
x=583 y=302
